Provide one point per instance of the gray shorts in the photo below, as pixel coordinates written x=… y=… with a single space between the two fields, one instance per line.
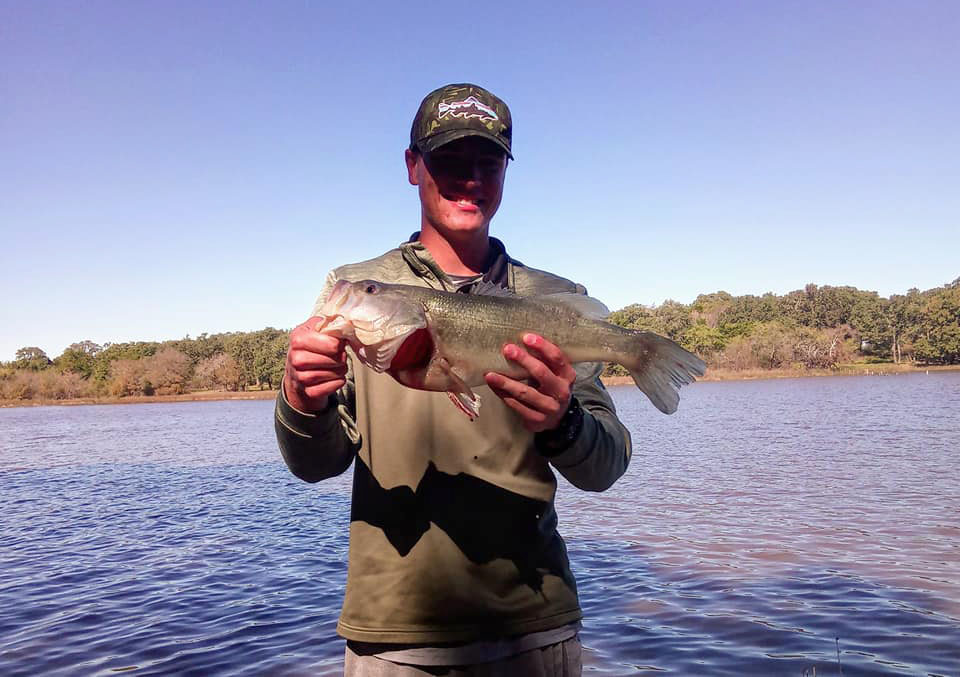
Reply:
x=562 y=659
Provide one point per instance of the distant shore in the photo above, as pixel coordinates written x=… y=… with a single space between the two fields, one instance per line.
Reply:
x=712 y=375
x=202 y=396
x=881 y=369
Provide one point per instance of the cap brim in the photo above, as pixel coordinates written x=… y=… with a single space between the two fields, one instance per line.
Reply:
x=431 y=143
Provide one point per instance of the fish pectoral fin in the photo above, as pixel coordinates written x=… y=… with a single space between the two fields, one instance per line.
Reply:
x=468 y=403
x=458 y=391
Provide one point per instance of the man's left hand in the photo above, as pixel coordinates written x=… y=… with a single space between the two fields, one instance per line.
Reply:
x=541 y=403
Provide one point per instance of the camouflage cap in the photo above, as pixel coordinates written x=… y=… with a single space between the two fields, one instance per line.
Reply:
x=457 y=111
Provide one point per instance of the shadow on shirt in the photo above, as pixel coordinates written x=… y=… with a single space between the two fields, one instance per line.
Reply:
x=486 y=521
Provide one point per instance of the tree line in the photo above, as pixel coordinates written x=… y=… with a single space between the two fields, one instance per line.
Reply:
x=818 y=327
x=227 y=362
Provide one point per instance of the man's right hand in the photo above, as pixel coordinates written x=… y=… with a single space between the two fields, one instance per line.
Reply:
x=316 y=367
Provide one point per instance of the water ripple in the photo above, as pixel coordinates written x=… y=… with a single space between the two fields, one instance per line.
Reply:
x=762 y=529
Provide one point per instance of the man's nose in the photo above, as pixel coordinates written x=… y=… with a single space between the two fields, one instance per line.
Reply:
x=474 y=173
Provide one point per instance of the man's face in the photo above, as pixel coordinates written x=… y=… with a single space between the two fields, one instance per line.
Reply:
x=460 y=184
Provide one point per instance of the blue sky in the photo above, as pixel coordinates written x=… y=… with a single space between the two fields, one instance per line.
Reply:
x=172 y=168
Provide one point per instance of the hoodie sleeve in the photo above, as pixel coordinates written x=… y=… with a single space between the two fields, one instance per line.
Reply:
x=601 y=453
x=316 y=446
x=319 y=445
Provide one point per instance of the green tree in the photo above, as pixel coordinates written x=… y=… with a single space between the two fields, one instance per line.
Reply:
x=704 y=340
x=270 y=359
x=198 y=349
x=255 y=355
x=120 y=351
x=710 y=308
x=869 y=318
x=751 y=309
x=673 y=319
x=771 y=345
x=79 y=358
x=634 y=316
x=938 y=336
x=902 y=317
x=31 y=358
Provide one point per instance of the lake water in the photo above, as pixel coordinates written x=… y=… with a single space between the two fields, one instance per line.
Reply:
x=789 y=527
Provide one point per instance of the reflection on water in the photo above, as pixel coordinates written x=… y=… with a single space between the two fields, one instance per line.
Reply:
x=761 y=529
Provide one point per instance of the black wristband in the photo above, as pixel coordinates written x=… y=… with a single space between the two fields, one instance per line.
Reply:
x=553 y=442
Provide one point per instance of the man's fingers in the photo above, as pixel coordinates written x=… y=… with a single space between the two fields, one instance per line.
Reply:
x=549 y=382
x=551 y=356
x=519 y=396
x=519 y=391
x=312 y=378
x=538 y=410
x=304 y=360
x=324 y=389
x=316 y=366
x=312 y=351
x=541 y=406
x=304 y=338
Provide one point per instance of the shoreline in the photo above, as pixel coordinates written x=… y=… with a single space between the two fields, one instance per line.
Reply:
x=712 y=376
x=200 y=396
x=881 y=369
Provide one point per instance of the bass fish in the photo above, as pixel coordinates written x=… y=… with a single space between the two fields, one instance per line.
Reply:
x=446 y=341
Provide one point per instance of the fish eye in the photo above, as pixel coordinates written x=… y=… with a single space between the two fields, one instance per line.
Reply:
x=372 y=289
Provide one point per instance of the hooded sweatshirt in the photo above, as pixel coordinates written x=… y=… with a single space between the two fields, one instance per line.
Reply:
x=453 y=531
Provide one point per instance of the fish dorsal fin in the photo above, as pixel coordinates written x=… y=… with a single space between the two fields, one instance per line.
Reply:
x=582 y=304
x=485 y=288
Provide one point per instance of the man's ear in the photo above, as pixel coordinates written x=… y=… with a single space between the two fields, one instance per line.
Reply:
x=411 y=158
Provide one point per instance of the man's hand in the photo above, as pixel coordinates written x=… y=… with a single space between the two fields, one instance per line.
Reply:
x=316 y=367
x=541 y=404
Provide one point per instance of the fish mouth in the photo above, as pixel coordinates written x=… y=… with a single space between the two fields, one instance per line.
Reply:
x=339 y=316
x=336 y=298
x=335 y=308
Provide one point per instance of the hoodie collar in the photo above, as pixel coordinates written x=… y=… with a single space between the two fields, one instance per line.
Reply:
x=497 y=270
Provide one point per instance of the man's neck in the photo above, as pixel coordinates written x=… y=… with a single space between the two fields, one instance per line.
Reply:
x=465 y=256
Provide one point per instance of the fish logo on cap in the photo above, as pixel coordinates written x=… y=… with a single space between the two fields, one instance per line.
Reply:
x=471 y=107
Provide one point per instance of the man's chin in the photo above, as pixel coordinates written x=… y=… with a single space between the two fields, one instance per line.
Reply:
x=463 y=226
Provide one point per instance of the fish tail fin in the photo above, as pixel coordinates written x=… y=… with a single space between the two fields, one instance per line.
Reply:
x=660 y=367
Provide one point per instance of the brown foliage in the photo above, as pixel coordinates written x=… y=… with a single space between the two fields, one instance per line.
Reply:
x=126 y=377
x=167 y=372
x=19 y=385
x=774 y=346
x=45 y=385
x=218 y=372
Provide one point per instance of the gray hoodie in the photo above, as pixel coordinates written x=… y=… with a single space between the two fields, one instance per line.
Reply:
x=453 y=532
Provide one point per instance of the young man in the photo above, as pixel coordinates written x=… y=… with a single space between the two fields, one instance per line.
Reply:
x=455 y=562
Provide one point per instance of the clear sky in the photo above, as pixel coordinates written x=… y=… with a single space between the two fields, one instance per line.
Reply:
x=172 y=168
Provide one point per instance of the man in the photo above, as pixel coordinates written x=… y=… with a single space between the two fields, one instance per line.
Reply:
x=455 y=563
